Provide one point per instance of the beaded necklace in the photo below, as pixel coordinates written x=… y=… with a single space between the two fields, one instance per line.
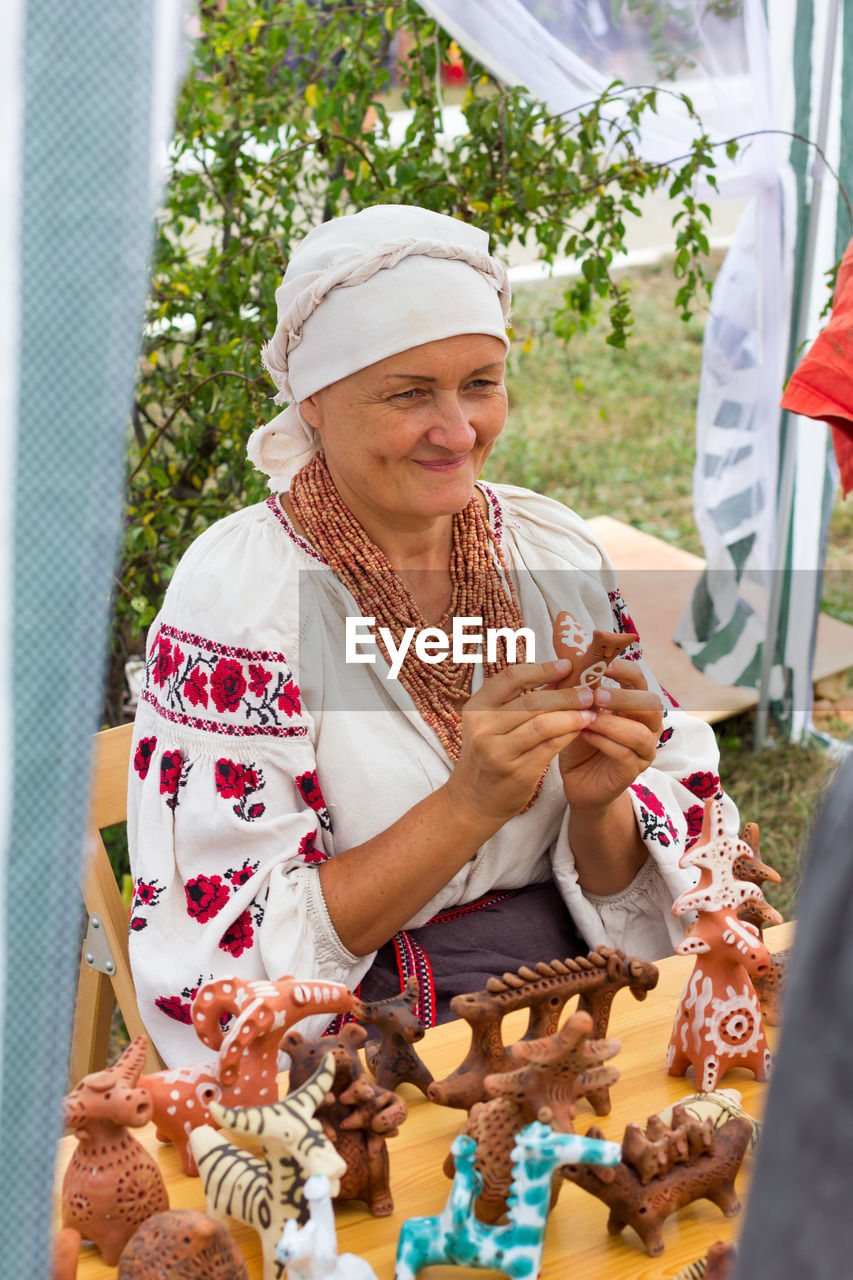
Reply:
x=367 y=573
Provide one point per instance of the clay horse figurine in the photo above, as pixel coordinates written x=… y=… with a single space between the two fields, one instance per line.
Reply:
x=311 y=1252
x=718 y=1024
x=455 y=1237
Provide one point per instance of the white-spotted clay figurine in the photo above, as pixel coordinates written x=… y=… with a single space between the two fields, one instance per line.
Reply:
x=245 y=1072
x=719 y=1024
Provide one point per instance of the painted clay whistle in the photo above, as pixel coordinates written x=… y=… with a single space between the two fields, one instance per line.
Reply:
x=590 y=653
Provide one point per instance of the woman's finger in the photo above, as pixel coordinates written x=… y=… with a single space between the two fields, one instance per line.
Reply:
x=616 y=735
x=628 y=674
x=518 y=678
x=632 y=704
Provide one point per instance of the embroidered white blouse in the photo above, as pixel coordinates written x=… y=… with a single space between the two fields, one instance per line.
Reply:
x=259 y=750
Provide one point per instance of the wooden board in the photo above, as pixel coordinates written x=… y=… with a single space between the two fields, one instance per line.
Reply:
x=577 y=1244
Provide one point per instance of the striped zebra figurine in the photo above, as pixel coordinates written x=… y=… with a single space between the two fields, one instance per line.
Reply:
x=265 y=1192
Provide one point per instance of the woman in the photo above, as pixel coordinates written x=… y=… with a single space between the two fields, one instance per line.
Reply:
x=320 y=786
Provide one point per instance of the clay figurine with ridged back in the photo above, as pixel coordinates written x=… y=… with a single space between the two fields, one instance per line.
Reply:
x=550 y=1076
x=543 y=989
x=664 y=1169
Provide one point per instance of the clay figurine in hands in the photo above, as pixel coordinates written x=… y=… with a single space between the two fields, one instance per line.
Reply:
x=456 y=1237
x=182 y=1244
x=663 y=1170
x=718 y=1024
x=590 y=652
x=265 y=1191
x=245 y=1072
x=311 y=1252
x=112 y=1184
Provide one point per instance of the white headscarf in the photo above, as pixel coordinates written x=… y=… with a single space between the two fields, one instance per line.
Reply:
x=361 y=288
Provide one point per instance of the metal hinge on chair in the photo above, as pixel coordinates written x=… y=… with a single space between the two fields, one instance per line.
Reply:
x=96 y=949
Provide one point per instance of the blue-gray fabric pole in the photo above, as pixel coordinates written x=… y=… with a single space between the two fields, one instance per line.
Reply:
x=85 y=234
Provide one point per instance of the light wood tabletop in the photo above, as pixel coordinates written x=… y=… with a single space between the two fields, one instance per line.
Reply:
x=577 y=1244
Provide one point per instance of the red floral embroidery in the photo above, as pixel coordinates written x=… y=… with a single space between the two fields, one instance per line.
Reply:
x=251 y=690
x=308 y=851
x=648 y=798
x=308 y=785
x=239 y=936
x=672 y=702
x=288 y=699
x=179 y=1007
x=623 y=622
x=237 y=782
x=173 y=774
x=206 y=896
x=693 y=817
x=656 y=822
x=665 y=737
x=705 y=785
x=175 y=1007
x=259 y=679
x=196 y=687
x=142 y=757
x=242 y=875
x=227 y=685
x=165 y=661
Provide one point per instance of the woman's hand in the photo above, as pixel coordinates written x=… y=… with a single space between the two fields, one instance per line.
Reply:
x=600 y=763
x=512 y=728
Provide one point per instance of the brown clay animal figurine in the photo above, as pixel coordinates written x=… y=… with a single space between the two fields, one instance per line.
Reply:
x=65 y=1254
x=657 y=1176
x=182 y=1244
x=552 y=1073
x=590 y=652
x=391 y=1059
x=245 y=1072
x=718 y=1024
x=112 y=1184
x=719 y=1105
x=769 y=986
x=544 y=990
x=357 y=1115
x=264 y=1191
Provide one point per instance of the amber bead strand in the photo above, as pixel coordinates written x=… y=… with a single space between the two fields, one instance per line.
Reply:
x=477 y=591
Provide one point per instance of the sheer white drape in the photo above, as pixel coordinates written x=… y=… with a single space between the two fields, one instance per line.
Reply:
x=738 y=72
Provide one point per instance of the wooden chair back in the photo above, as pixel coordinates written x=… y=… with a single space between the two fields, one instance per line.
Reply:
x=105 y=979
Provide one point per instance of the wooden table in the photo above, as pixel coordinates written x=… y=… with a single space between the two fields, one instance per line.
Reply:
x=577 y=1244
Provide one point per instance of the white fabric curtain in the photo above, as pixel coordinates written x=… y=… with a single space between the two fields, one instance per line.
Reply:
x=739 y=73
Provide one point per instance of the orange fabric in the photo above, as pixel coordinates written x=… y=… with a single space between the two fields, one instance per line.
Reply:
x=822 y=384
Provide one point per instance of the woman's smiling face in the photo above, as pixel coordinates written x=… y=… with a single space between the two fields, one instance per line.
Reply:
x=406 y=438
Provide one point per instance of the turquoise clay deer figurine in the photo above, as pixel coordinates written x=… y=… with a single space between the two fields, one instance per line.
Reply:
x=456 y=1237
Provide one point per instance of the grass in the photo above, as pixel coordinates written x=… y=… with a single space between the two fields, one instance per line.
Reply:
x=611 y=432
